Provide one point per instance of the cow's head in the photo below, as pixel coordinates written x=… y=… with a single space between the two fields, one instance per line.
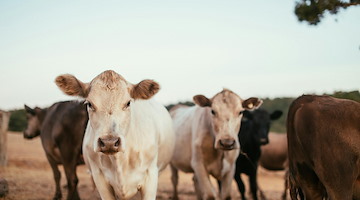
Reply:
x=109 y=98
x=34 y=121
x=256 y=125
x=226 y=110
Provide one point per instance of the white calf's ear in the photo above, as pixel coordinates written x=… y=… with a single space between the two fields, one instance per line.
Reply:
x=202 y=101
x=145 y=89
x=70 y=85
x=252 y=103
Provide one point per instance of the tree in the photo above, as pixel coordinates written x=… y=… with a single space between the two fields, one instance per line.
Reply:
x=18 y=120
x=312 y=11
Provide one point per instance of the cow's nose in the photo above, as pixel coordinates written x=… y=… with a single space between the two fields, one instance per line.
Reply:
x=264 y=141
x=109 y=144
x=227 y=144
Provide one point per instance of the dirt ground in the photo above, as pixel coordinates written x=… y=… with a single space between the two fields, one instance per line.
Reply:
x=30 y=177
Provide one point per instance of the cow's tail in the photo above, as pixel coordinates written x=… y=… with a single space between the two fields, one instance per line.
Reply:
x=295 y=190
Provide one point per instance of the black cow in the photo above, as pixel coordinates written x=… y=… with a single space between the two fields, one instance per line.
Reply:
x=324 y=148
x=254 y=131
x=61 y=128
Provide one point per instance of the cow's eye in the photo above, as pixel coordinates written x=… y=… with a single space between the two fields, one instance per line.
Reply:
x=89 y=105
x=128 y=104
x=213 y=112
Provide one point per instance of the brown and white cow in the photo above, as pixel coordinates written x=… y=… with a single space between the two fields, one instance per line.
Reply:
x=129 y=138
x=207 y=141
x=324 y=148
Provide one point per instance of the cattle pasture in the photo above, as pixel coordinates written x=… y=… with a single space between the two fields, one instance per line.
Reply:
x=30 y=177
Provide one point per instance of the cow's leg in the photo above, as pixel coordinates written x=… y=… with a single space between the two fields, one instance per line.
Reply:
x=174 y=180
x=203 y=181
x=310 y=184
x=69 y=160
x=253 y=185
x=240 y=184
x=197 y=188
x=226 y=181
x=57 y=177
x=148 y=191
x=72 y=180
x=104 y=188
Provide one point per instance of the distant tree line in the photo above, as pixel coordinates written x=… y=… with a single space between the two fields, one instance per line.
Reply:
x=283 y=104
x=18 y=120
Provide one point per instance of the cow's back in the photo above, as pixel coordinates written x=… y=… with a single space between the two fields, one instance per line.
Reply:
x=323 y=142
x=151 y=119
x=183 y=117
x=64 y=125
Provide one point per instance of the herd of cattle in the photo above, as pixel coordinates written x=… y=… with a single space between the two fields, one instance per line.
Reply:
x=126 y=139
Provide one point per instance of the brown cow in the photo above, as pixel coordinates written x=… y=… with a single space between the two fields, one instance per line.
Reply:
x=274 y=156
x=61 y=128
x=324 y=148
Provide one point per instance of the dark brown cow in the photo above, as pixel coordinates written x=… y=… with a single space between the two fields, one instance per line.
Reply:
x=324 y=148
x=61 y=128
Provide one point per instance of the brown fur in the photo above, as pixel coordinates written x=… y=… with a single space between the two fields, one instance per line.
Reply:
x=145 y=89
x=323 y=148
x=61 y=128
x=72 y=86
x=251 y=103
x=202 y=101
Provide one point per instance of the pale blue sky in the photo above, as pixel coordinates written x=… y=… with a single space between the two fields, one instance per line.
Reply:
x=255 y=48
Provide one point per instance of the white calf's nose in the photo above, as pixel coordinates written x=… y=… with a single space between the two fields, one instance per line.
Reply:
x=109 y=144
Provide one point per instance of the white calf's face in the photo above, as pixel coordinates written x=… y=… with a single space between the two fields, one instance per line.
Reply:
x=226 y=110
x=109 y=114
x=109 y=98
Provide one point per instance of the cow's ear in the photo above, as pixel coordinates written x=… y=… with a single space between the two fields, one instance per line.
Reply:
x=252 y=103
x=29 y=110
x=70 y=85
x=247 y=115
x=202 y=101
x=145 y=89
x=276 y=115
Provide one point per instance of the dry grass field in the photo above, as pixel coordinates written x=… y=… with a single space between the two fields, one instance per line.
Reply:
x=30 y=177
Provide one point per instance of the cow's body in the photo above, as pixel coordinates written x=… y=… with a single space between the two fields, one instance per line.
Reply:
x=253 y=133
x=61 y=128
x=274 y=156
x=126 y=172
x=128 y=139
x=207 y=143
x=324 y=148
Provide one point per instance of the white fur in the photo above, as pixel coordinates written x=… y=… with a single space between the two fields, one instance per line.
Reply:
x=151 y=136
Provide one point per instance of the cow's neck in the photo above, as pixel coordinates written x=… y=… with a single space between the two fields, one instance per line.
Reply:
x=42 y=116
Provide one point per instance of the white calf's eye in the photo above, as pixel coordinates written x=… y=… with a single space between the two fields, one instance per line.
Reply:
x=127 y=104
x=89 y=105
